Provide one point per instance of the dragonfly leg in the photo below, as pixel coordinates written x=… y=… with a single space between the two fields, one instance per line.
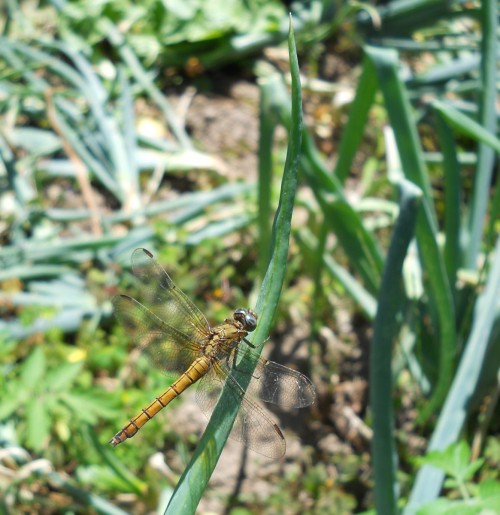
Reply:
x=234 y=360
x=234 y=355
x=249 y=343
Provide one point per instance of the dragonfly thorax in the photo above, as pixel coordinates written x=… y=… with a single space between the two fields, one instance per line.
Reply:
x=247 y=318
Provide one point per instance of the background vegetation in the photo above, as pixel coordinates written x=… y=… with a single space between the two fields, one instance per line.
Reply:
x=127 y=125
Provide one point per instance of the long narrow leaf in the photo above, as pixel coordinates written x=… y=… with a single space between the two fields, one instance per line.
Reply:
x=358 y=243
x=342 y=219
x=452 y=184
x=466 y=125
x=358 y=115
x=195 y=478
x=386 y=329
x=118 y=40
x=267 y=118
x=453 y=415
x=354 y=289
x=440 y=296
x=488 y=119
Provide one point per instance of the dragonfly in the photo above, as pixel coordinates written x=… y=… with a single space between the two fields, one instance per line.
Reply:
x=176 y=337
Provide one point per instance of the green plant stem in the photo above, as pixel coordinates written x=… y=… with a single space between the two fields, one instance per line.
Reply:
x=195 y=478
x=440 y=296
x=266 y=134
x=386 y=329
x=454 y=412
x=488 y=119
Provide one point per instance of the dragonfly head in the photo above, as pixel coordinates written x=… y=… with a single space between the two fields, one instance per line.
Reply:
x=247 y=318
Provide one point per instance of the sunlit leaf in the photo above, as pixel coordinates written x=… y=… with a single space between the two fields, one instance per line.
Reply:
x=38 y=423
x=33 y=368
x=61 y=377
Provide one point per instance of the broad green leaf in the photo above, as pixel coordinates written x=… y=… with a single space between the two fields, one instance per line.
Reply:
x=489 y=488
x=472 y=468
x=12 y=398
x=33 y=369
x=88 y=407
x=454 y=460
x=60 y=378
x=459 y=457
x=38 y=423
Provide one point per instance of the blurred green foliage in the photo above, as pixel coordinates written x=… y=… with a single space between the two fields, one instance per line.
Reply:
x=169 y=33
x=466 y=496
x=81 y=188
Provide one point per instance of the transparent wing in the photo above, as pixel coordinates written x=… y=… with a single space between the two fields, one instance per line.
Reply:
x=280 y=385
x=272 y=382
x=165 y=299
x=167 y=348
x=252 y=427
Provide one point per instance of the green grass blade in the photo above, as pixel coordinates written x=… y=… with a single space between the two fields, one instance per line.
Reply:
x=25 y=58
x=144 y=79
x=218 y=229
x=95 y=503
x=346 y=223
x=268 y=88
x=488 y=115
x=494 y=217
x=73 y=137
x=197 y=474
x=386 y=329
x=317 y=263
x=452 y=201
x=128 y=177
x=402 y=17
x=398 y=107
x=467 y=126
x=340 y=217
x=358 y=116
x=115 y=146
x=119 y=42
x=309 y=247
x=27 y=272
x=453 y=415
x=440 y=296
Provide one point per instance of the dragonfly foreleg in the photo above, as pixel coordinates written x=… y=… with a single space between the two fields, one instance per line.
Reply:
x=249 y=343
x=233 y=356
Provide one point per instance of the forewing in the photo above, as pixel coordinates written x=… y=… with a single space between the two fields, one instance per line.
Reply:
x=252 y=427
x=165 y=299
x=166 y=347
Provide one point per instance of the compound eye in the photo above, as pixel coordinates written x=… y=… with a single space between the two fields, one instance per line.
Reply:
x=250 y=321
x=246 y=317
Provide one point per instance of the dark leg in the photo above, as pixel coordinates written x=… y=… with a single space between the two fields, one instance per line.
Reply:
x=249 y=344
